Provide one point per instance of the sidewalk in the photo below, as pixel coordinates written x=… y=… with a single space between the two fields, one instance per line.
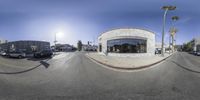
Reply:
x=127 y=62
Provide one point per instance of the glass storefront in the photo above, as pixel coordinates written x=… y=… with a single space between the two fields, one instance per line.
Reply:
x=127 y=45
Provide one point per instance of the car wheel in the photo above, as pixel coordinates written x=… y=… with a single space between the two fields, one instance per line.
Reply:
x=20 y=57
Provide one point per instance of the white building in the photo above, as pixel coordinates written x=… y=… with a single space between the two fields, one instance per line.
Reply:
x=3 y=41
x=88 y=47
x=127 y=42
x=196 y=44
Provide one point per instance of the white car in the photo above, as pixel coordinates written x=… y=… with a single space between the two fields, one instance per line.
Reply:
x=198 y=53
x=17 y=54
x=3 y=53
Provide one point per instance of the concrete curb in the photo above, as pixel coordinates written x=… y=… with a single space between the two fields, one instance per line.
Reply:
x=121 y=68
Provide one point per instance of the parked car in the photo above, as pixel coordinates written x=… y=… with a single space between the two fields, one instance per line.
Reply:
x=17 y=54
x=43 y=53
x=194 y=52
x=198 y=53
x=56 y=51
x=158 y=51
x=3 y=53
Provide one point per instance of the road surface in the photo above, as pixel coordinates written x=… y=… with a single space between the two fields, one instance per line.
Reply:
x=72 y=76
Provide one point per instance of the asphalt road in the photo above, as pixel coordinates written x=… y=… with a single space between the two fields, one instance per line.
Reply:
x=72 y=76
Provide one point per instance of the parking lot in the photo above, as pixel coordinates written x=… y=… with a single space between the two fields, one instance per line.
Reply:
x=12 y=65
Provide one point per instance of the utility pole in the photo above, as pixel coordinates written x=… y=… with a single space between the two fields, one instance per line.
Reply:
x=169 y=42
x=55 y=41
x=166 y=8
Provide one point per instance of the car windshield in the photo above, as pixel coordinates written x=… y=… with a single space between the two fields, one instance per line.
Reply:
x=99 y=49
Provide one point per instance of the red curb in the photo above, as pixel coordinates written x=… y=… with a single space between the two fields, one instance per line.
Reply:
x=136 y=68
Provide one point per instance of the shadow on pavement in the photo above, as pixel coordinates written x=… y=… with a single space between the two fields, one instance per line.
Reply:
x=38 y=59
x=15 y=58
x=44 y=63
x=184 y=67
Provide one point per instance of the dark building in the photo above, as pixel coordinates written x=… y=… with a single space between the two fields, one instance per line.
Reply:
x=25 y=46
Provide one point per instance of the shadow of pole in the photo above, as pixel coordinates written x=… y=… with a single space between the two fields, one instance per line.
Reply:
x=44 y=63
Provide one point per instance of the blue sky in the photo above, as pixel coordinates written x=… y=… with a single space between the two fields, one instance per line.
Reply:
x=87 y=19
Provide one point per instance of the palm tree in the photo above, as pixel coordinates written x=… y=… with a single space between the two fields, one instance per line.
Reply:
x=173 y=31
x=79 y=45
x=175 y=18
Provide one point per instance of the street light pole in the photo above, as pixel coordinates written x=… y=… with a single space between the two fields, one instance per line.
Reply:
x=163 y=31
x=55 y=41
x=166 y=8
x=169 y=42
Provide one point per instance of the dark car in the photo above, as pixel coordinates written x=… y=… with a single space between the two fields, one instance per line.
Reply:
x=43 y=53
x=197 y=53
x=194 y=52
x=158 y=51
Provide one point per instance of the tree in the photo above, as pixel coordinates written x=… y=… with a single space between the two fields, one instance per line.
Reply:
x=188 y=47
x=79 y=45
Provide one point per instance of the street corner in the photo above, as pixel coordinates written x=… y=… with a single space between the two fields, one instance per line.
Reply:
x=126 y=63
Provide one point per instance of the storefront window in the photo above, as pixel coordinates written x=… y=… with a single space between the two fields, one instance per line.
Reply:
x=127 y=45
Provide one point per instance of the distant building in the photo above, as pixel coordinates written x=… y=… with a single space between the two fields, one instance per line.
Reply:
x=25 y=46
x=3 y=41
x=88 y=47
x=179 y=47
x=196 y=44
x=63 y=47
x=158 y=46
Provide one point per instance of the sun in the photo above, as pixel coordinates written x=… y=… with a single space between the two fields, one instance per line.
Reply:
x=60 y=34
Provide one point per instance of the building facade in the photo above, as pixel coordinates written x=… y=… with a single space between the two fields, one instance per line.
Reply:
x=196 y=44
x=25 y=46
x=63 y=47
x=3 y=41
x=127 y=42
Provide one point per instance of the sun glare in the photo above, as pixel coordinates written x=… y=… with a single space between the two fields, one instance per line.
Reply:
x=59 y=34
